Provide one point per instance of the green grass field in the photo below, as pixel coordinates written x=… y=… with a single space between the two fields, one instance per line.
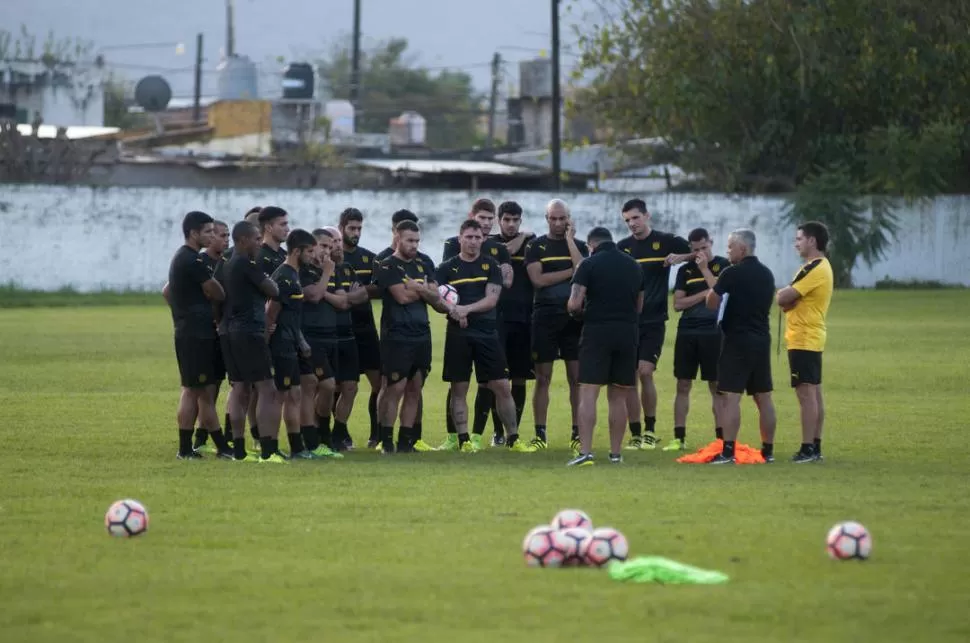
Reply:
x=426 y=547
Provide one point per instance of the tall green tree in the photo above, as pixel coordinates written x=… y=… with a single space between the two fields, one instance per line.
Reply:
x=391 y=83
x=830 y=100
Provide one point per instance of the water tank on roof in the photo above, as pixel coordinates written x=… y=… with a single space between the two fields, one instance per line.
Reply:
x=410 y=128
x=340 y=113
x=298 y=80
x=238 y=79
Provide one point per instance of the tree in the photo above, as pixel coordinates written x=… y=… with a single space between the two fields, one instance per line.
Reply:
x=390 y=83
x=835 y=99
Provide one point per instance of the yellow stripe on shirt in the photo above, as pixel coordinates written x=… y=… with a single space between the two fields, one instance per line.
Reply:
x=544 y=259
x=651 y=259
x=695 y=280
x=468 y=280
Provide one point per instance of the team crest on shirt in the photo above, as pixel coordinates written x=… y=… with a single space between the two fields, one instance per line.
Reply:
x=715 y=269
x=202 y=378
x=627 y=250
x=420 y=268
x=319 y=372
x=346 y=271
x=366 y=259
x=395 y=377
x=494 y=251
x=286 y=381
x=485 y=267
x=656 y=245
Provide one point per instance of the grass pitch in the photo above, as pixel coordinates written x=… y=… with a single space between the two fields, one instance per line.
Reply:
x=426 y=547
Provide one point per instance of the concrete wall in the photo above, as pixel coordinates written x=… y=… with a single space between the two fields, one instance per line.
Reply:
x=93 y=238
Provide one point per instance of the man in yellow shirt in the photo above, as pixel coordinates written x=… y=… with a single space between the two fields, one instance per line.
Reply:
x=806 y=303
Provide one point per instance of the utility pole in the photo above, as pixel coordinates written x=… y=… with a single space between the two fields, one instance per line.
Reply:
x=355 y=59
x=197 y=103
x=556 y=102
x=230 y=30
x=493 y=97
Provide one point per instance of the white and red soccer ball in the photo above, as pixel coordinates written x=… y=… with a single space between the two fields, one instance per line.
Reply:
x=604 y=545
x=848 y=541
x=572 y=518
x=126 y=518
x=578 y=538
x=546 y=547
x=448 y=294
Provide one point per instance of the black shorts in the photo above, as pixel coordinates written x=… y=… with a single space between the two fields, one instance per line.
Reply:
x=744 y=366
x=462 y=351
x=196 y=359
x=403 y=359
x=693 y=350
x=348 y=364
x=286 y=371
x=651 y=342
x=555 y=335
x=225 y=356
x=219 y=362
x=516 y=340
x=323 y=358
x=608 y=355
x=368 y=350
x=248 y=359
x=805 y=367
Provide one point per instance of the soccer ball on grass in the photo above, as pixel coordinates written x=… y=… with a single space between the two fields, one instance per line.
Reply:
x=126 y=518
x=848 y=541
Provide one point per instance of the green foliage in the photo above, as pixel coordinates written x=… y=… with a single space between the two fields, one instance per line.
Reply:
x=755 y=94
x=390 y=83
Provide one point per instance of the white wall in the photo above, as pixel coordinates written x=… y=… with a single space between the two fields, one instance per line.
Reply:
x=119 y=238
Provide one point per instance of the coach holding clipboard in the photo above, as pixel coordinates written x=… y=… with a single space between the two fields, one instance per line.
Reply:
x=746 y=289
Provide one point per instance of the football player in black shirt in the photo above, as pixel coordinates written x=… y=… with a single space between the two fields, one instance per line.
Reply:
x=550 y=261
x=408 y=288
x=190 y=293
x=472 y=337
x=698 y=342
x=274 y=223
x=655 y=251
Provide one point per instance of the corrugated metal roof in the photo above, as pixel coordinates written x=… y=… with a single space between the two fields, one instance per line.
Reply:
x=74 y=132
x=421 y=166
x=587 y=159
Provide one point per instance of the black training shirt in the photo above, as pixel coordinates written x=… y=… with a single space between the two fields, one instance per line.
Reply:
x=269 y=260
x=245 y=309
x=363 y=262
x=471 y=279
x=515 y=304
x=553 y=255
x=286 y=337
x=613 y=284
x=409 y=321
x=319 y=317
x=750 y=287
x=698 y=319
x=343 y=278
x=191 y=309
x=650 y=252
x=491 y=247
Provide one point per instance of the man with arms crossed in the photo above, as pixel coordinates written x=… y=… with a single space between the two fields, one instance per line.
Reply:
x=698 y=342
x=745 y=362
x=551 y=261
x=190 y=293
x=607 y=291
x=408 y=288
x=806 y=303
x=655 y=251
x=472 y=337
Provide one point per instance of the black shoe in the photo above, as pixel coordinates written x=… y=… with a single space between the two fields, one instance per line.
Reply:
x=582 y=460
x=802 y=457
x=498 y=440
x=616 y=458
x=387 y=447
x=722 y=459
x=405 y=447
x=373 y=444
x=347 y=444
x=768 y=458
x=226 y=454
x=191 y=455
x=819 y=457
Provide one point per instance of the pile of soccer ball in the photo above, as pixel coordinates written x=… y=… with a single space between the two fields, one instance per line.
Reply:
x=126 y=519
x=571 y=541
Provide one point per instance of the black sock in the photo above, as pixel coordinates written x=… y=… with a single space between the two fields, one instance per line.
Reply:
x=311 y=437
x=484 y=401
x=518 y=396
x=340 y=431
x=728 y=450
x=649 y=424
x=818 y=446
x=405 y=437
x=219 y=440
x=185 y=441
x=462 y=439
x=636 y=429
x=767 y=449
x=497 y=425
x=512 y=439
x=680 y=433
x=296 y=442
x=449 y=421
x=254 y=431
x=387 y=434
x=719 y=433
x=808 y=449
x=266 y=447
x=375 y=427
x=201 y=437
x=541 y=432
x=227 y=424
x=239 y=448
x=323 y=425
x=575 y=433
x=416 y=432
